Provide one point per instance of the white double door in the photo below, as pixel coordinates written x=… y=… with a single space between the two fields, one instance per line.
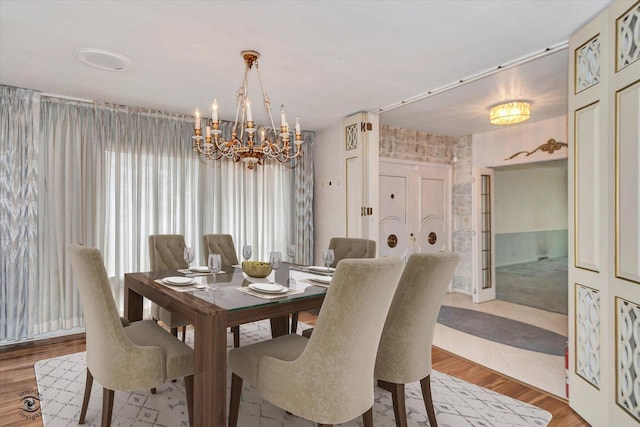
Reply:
x=415 y=208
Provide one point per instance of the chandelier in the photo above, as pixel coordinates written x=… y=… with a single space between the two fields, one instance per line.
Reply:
x=271 y=143
x=510 y=112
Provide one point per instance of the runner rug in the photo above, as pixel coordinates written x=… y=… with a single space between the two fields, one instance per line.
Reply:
x=457 y=403
x=502 y=330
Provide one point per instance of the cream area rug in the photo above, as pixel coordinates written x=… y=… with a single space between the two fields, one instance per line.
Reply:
x=457 y=403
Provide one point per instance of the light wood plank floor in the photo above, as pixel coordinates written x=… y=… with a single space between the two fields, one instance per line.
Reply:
x=17 y=375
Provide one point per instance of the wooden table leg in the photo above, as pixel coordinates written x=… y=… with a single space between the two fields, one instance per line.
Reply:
x=210 y=370
x=132 y=302
x=279 y=326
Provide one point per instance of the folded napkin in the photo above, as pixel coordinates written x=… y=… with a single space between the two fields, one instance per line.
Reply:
x=269 y=296
x=189 y=288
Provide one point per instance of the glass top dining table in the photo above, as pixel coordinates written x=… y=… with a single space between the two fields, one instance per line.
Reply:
x=211 y=312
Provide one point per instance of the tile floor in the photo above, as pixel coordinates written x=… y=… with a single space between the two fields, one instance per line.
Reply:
x=540 y=370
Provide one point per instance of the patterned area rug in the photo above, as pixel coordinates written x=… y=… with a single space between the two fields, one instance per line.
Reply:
x=457 y=403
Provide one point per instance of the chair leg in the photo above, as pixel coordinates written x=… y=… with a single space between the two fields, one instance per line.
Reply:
x=188 y=388
x=325 y=425
x=234 y=401
x=107 y=406
x=174 y=332
x=184 y=333
x=294 y=323
x=236 y=336
x=425 y=384
x=398 y=397
x=87 y=395
x=367 y=418
x=153 y=390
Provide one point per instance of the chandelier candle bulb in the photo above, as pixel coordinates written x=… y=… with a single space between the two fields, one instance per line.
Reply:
x=214 y=111
x=283 y=117
x=208 y=132
x=297 y=125
x=197 y=126
x=249 y=115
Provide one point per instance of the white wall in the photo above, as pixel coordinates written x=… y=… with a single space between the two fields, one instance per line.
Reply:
x=531 y=199
x=494 y=148
x=329 y=204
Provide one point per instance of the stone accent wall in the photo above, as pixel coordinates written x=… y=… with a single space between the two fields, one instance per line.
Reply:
x=409 y=144
x=462 y=219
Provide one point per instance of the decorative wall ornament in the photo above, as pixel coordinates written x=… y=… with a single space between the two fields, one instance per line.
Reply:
x=352 y=136
x=588 y=64
x=550 y=146
x=628 y=356
x=588 y=334
x=628 y=37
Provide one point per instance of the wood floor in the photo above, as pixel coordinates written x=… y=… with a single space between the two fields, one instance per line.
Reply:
x=17 y=376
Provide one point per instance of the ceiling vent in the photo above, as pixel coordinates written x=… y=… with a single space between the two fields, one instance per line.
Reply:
x=103 y=59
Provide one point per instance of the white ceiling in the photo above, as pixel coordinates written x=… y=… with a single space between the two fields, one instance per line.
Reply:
x=323 y=59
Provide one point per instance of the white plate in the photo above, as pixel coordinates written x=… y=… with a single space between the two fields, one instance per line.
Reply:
x=178 y=281
x=321 y=268
x=323 y=280
x=268 y=288
x=200 y=269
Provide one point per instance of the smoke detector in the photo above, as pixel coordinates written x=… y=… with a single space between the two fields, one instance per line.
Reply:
x=103 y=59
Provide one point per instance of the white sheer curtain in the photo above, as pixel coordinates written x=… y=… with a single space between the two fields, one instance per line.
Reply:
x=19 y=115
x=109 y=176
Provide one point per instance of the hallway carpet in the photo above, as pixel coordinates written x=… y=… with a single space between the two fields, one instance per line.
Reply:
x=502 y=330
x=539 y=284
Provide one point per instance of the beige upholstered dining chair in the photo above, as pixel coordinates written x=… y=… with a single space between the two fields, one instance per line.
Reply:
x=166 y=252
x=220 y=244
x=343 y=247
x=349 y=247
x=404 y=355
x=140 y=356
x=328 y=378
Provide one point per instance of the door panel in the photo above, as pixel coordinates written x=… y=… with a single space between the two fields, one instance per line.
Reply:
x=393 y=240
x=484 y=283
x=414 y=208
x=432 y=235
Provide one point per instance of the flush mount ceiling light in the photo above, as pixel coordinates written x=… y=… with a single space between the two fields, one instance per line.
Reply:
x=103 y=59
x=510 y=112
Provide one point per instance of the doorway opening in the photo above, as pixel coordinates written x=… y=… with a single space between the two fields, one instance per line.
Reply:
x=531 y=229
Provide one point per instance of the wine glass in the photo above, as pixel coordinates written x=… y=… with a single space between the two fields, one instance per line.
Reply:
x=275 y=259
x=327 y=257
x=215 y=265
x=291 y=253
x=188 y=256
x=246 y=252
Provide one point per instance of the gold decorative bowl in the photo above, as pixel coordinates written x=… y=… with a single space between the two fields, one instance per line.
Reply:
x=256 y=268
